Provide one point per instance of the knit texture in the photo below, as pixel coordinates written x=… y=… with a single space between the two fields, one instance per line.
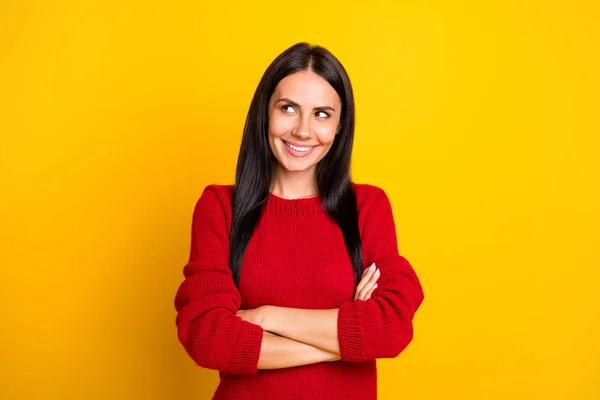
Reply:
x=296 y=258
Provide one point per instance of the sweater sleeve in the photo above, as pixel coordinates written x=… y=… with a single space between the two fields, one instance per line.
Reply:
x=380 y=327
x=207 y=300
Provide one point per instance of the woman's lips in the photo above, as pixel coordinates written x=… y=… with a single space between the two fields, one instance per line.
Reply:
x=296 y=153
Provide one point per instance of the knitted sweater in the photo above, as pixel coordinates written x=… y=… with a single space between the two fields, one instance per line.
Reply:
x=296 y=258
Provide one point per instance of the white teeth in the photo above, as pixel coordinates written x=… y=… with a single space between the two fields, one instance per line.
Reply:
x=302 y=149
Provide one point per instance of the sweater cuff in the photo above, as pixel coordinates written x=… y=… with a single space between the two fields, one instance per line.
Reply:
x=351 y=332
x=244 y=359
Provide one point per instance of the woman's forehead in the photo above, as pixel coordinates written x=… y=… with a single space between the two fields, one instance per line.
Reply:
x=307 y=88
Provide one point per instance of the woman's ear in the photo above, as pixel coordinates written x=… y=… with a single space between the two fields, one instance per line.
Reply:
x=339 y=129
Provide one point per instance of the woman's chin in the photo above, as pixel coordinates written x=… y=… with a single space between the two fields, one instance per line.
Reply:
x=296 y=167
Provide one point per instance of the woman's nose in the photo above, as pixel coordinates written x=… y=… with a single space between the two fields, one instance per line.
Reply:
x=303 y=128
x=302 y=134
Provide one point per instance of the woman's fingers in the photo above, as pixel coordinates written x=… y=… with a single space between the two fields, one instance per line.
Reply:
x=362 y=282
x=368 y=292
x=368 y=296
x=365 y=285
x=373 y=278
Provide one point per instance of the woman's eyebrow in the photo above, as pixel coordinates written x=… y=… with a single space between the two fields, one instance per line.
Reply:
x=298 y=105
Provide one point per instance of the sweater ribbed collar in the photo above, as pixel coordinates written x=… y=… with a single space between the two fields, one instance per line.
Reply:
x=293 y=207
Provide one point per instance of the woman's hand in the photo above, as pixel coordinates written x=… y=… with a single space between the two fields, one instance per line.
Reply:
x=254 y=315
x=367 y=284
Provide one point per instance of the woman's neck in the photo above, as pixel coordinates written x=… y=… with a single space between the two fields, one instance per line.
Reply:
x=294 y=185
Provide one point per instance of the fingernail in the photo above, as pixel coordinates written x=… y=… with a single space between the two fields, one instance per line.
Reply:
x=377 y=272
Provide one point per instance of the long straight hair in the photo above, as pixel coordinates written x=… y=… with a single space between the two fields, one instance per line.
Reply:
x=256 y=162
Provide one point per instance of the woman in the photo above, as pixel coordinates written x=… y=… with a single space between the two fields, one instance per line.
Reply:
x=276 y=295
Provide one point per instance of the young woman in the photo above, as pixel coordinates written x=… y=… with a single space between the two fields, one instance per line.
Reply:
x=294 y=285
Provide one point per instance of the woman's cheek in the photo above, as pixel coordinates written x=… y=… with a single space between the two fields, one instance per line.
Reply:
x=279 y=126
x=326 y=134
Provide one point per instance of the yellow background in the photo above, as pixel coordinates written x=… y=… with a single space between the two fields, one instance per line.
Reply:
x=480 y=120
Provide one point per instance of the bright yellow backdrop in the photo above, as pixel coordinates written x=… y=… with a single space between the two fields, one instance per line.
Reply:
x=480 y=119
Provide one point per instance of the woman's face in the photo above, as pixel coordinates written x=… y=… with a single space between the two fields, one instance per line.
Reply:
x=304 y=115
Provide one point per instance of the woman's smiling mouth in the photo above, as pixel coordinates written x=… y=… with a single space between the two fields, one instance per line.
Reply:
x=298 y=151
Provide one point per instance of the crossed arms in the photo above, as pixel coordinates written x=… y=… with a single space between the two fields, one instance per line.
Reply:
x=218 y=335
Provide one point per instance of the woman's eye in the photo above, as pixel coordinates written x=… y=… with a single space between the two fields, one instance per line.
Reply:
x=286 y=107
x=322 y=114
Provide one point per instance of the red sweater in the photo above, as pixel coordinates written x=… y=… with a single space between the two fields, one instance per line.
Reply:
x=296 y=258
